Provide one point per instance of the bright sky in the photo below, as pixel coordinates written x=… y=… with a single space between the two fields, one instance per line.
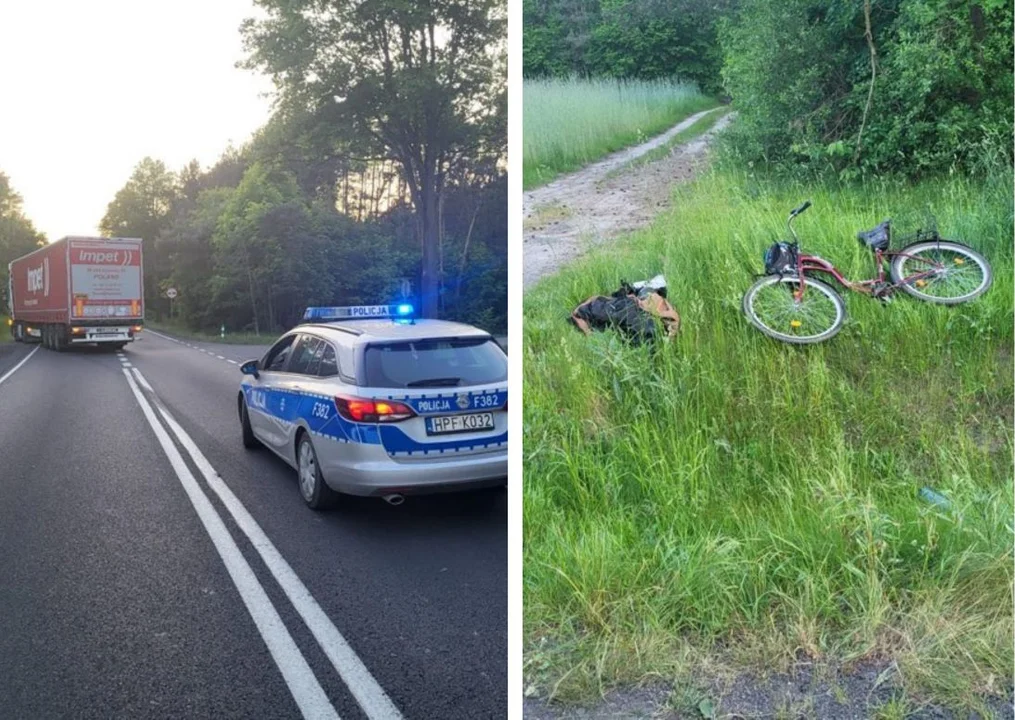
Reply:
x=87 y=89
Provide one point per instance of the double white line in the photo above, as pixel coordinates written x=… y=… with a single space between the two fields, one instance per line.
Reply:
x=302 y=683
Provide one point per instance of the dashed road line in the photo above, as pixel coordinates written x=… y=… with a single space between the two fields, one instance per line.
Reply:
x=184 y=343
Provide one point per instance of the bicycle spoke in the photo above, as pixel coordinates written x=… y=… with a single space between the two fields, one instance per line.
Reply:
x=943 y=273
x=776 y=307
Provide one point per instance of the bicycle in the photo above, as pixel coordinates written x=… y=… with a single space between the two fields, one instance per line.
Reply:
x=789 y=304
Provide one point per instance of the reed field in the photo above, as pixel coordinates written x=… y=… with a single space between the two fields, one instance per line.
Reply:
x=725 y=502
x=570 y=123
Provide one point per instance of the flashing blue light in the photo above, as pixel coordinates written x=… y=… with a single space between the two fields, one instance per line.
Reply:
x=357 y=312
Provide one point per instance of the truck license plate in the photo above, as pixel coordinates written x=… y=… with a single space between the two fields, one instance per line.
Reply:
x=446 y=424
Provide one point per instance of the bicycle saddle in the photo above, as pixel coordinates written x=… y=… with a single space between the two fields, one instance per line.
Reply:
x=876 y=239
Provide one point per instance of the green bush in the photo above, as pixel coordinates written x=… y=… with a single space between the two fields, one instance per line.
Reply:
x=800 y=74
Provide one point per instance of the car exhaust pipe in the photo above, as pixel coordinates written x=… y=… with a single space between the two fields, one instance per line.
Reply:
x=393 y=499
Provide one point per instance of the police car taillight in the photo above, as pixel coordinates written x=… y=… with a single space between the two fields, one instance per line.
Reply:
x=372 y=411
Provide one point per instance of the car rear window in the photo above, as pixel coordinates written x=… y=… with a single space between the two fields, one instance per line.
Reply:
x=451 y=362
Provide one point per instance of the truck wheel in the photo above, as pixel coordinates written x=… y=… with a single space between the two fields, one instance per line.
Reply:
x=59 y=338
x=17 y=332
x=45 y=337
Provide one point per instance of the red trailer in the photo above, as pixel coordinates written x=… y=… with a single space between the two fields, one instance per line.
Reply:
x=78 y=290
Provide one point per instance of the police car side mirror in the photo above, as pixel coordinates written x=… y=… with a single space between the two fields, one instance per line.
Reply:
x=250 y=368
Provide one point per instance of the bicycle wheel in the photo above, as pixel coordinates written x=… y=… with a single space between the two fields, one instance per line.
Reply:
x=771 y=306
x=941 y=272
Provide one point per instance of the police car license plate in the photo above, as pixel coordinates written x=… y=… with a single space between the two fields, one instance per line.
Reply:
x=445 y=424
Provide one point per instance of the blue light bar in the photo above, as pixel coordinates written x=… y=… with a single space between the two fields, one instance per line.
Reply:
x=357 y=312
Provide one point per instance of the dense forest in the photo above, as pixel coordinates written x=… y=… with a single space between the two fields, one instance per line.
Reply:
x=635 y=39
x=384 y=161
x=252 y=241
x=910 y=87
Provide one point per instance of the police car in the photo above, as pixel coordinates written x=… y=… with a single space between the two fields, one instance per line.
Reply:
x=367 y=400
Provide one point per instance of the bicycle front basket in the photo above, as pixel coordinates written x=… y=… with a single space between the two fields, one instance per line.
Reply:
x=780 y=259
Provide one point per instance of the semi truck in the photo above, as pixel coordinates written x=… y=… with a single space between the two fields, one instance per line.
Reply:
x=78 y=291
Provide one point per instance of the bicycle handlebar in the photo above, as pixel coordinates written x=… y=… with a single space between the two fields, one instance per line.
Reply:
x=797 y=211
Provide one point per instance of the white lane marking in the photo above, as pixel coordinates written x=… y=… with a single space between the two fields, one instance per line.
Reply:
x=195 y=347
x=23 y=361
x=367 y=691
x=305 y=689
x=158 y=334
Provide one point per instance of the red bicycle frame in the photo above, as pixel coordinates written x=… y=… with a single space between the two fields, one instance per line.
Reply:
x=814 y=263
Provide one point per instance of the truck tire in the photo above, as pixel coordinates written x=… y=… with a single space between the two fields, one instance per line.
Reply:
x=59 y=338
x=45 y=337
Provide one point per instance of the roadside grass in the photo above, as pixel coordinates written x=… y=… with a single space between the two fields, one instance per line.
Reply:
x=726 y=503
x=570 y=123
x=699 y=127
x=230 y=338
x=5 y=329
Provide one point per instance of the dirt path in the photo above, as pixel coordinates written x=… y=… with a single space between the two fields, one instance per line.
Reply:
x=566 y=217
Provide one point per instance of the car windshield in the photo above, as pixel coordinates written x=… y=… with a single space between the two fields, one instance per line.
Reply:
x=448 y=362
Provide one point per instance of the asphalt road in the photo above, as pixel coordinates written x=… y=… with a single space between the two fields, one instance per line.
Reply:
x=152 y=568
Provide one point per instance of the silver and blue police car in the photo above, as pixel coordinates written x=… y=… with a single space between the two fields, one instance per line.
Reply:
x=366 y=400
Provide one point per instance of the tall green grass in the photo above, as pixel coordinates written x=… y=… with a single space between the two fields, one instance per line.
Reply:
x=727 y=501
x=570 y=123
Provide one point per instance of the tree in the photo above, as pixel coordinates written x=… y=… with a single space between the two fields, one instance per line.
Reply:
x=417 y=83
x=913 y=87
x=18 y=235
x=142 y=209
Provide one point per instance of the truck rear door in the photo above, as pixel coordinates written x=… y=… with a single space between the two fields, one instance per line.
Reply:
x=106 y=280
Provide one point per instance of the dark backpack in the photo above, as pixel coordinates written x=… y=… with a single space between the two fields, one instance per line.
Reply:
x=780 y=259
x=624 y=311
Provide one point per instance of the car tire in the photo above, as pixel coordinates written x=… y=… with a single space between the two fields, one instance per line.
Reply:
x=250 y=441
x=314 y=491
